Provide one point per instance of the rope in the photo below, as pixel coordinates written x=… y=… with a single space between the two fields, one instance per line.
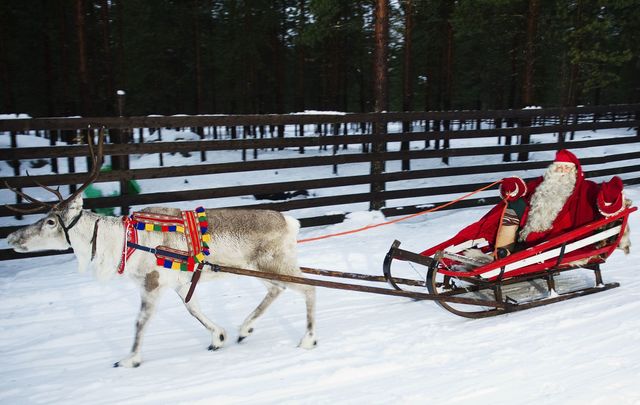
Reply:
x=364 y=228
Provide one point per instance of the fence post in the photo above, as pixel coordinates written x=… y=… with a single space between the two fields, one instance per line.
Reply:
x=345 y=132
x=377 y=162
x=53 y=138
x=203 y=153
x=336 y=132
x=436 y=130
x=525 y=137
x=446 y=127
x=301 y=134
x=72 y=139
x=255 y=136
x=281 y=131
x=563 y=119
x=245 y=129
x=16 y=169
x=405 y=146
x=121 y=163
x=363 y=130
x=160 y=140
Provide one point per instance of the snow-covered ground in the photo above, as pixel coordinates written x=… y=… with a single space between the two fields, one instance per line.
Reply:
x=62 y=331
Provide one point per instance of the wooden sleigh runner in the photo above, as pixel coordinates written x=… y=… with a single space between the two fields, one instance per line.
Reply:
x=456 y=280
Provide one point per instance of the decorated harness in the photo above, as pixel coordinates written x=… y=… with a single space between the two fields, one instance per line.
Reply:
x=194 y=226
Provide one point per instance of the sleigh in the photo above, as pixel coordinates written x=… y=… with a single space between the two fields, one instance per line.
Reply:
x=473 y=288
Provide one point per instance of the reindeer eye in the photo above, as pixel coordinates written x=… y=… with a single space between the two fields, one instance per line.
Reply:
x=51 y=222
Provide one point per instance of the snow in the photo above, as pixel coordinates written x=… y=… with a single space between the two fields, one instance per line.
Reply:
x=13 y=116
x=318 y=112
x=62 y=331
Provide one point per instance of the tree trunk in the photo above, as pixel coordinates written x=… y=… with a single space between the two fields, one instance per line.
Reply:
x=108 y=59
x=447 y=71
x=381 y=99
x=407 y=77
x=300 y=55
x=527 y=78
x=48 y=65
x=8 y=101
x=513 y=86
x=119 y=76
x=198 y=57
x=278 y=38
x=198 y=72
x=83 y=71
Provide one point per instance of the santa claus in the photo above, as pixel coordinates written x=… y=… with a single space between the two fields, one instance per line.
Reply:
x=561 y=200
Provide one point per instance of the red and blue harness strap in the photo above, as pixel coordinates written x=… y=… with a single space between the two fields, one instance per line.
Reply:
x=130 y=236
x=194 y=226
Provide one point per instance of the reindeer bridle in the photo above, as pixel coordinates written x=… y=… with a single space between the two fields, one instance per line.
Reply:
x=61 y=204
x=65 y=228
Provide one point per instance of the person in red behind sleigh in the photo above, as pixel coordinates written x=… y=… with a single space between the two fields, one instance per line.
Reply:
x=545 y=207
x=559 y=201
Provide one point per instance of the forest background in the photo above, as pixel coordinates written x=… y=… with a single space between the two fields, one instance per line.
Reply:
x=69 y=57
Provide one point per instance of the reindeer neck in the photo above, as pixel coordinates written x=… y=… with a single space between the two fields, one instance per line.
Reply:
x=96 y=238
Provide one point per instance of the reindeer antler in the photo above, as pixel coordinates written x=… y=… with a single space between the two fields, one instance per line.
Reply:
x=96 y=164
x=41 y=205
x=97 y=160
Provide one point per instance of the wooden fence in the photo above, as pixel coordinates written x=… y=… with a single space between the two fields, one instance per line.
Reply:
x=502 y=139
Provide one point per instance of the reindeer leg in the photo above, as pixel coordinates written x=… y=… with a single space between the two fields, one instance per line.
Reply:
x=218 y=335
x=273 y=291
x=309 y=340
x=147 y=309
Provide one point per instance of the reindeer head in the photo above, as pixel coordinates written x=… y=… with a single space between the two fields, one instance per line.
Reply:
x=52 y=231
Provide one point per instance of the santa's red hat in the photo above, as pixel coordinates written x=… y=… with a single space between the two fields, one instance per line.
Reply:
x=564 y=156
x=610 y=199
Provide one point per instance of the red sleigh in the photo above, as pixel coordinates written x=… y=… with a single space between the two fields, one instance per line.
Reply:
x=472 y=288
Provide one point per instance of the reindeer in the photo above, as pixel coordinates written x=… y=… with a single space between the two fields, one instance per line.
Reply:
x=260 y=240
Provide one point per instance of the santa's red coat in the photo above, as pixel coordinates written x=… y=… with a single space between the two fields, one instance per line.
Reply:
x=579 y=209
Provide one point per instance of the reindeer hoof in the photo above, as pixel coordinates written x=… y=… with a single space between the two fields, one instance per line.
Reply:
x=308 y=342
x=218 y=340
x=244 y=335
x=133 y=365
x=129 y=362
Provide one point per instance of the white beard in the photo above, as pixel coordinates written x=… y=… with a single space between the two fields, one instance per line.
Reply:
x=547 y=201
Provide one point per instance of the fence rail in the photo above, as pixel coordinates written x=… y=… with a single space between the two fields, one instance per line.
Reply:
x=493 y=136
x=19 y=125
